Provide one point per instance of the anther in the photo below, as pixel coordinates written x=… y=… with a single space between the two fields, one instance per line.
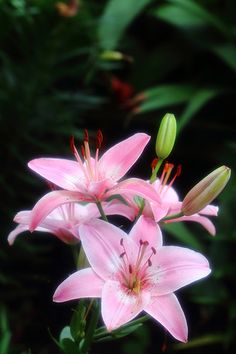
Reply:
x=121 y=242
x=99 y=139
x=149 y=263
x=153 y=250
x=154 y=163
x=72 y=144
x=130 y=269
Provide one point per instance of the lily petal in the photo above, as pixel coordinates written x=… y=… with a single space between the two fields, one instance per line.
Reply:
x=167 y=310
x=119 y=306
x=204 y=221
x=82 y=284
x=118 y=160
x=66 y=174
x=177 y=267
x=14 y=233
x=146 y=229
x=135 y=186
x=105 y=240
x=49 y=202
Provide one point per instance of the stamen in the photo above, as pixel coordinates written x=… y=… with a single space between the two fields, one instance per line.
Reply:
x=130 y=269
x=168 y=172
x=86 y=135
x=177 y=174
x=154 y=163
x=99 y=139
x=82 y=151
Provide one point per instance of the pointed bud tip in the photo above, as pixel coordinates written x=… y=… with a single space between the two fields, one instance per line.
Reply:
x=166 y=136
x=204 y=192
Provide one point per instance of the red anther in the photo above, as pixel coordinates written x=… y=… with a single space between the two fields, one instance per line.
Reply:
x=179 y=170
x=141 y=242
x=130 y=269
x=149 y=263
x=82 y=151
x=145 y=243
x=99 y=139
x=153 y=250
x=86 y=135
x=154 y=163
x=72 y=144
x=121 y=241
x=122 y=255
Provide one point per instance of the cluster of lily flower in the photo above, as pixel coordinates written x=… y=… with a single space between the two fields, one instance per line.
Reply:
x=131 y=272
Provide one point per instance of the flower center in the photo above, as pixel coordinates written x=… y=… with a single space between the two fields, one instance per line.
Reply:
x=88 y=164
x=134 y=273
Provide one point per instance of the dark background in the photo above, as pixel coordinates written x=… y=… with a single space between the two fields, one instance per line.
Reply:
x=58 y=78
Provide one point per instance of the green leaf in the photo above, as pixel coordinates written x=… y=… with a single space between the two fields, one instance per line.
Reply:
x=65 y=333
x=197 y=101
x=178 y=16
x=116 y=18
x=69 y=346
x=122 y=333
x=77 y=324
x=5 y=334
x=180 y=231
x=189 y=13
x=165 y=96
x=227 y=52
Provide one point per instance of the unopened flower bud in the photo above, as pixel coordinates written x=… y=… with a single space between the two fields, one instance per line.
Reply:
x=166 y=136
x=206 y=190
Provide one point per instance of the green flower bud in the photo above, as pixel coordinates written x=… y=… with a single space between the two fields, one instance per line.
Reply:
x=206 y=190
x=166 y=136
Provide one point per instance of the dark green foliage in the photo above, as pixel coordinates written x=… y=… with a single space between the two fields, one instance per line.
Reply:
x=177 y=56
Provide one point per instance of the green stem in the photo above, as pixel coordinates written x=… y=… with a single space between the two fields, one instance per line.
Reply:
x=91 y=329
x=154 y=173
x=173 y=216
x=101 y=211
x=101 y=332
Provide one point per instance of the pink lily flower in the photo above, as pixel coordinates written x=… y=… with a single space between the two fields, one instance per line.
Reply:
x=134 y=273
x=64 y=221
x=95 y=179
x=169 y=204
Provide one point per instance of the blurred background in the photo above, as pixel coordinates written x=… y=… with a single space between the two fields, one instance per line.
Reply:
x=119 y=66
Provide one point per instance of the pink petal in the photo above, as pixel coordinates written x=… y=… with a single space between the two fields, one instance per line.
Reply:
x=135 y=186
x=48 y=203
x=210 y=210
x=167 y=193
x=205 y=222
x=159 y=211
x=23 y=217
x=81 y=284
x=101 y=242
x=64 y=173
x=13 y=234
x=120 y=158
x=175 y=267
x=116 y=207
x=146 y=229
x=167 y=310
x=120 y=306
